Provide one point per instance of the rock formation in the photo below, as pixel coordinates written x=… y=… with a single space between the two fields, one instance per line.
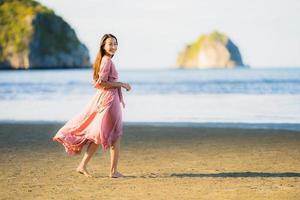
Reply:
x=33 y=36
x=214 y=50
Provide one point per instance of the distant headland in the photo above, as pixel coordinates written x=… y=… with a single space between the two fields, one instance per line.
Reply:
x=34 y=37
x=214 y=50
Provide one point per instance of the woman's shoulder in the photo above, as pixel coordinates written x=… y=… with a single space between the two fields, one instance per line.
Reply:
x=106 y=58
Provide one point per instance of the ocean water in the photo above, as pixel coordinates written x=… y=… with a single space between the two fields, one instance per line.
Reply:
x=168 y=95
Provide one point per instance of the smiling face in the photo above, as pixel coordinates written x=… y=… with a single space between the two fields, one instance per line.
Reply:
x=110 y=46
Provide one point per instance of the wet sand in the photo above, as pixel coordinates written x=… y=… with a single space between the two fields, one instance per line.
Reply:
x=159 y=162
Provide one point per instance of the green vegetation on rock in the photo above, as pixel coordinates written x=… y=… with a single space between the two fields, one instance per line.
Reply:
x=34 y=36
x=15 y=24
x=217 y=36
x=194 y=48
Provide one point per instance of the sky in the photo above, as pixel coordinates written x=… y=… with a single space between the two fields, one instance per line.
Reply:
x=151 y=33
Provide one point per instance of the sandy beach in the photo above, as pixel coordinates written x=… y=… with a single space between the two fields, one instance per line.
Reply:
x=160 y=162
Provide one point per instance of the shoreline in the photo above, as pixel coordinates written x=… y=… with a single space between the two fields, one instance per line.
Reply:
x=235 y=125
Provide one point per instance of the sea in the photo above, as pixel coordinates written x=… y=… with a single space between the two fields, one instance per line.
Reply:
x=255 y=97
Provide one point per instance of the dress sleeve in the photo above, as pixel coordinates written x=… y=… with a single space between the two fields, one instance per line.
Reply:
x=105 y=67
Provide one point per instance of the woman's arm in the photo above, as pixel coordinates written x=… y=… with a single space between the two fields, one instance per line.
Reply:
x=109 y=85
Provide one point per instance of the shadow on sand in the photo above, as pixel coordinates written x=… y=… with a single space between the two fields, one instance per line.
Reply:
x=239 y=174
x=216 y=175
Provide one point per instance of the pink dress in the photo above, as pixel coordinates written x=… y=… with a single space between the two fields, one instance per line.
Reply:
x=101 y=120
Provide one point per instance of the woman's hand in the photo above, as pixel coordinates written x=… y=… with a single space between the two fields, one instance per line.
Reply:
x=126 y=86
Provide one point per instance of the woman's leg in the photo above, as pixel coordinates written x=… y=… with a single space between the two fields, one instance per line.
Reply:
x=92 y=148
x=114 y=157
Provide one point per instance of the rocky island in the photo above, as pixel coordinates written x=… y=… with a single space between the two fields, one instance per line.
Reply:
x=214 y=50
x=33 y=36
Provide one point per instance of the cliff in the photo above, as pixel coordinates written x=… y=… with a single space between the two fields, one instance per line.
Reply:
x=33 y=36
x=214 y=50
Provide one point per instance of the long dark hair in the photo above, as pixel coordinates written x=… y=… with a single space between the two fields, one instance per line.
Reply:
x=100 y=55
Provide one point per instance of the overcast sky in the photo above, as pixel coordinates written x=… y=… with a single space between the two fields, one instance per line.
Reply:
x=152 y=32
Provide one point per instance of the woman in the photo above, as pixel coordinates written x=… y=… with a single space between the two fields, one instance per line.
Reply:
x=101 y=121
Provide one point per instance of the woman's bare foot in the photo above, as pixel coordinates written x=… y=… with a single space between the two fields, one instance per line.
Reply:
x=116 y=175
x=83 y=171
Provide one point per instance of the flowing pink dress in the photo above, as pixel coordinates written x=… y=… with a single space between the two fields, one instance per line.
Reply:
x=101 y=120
